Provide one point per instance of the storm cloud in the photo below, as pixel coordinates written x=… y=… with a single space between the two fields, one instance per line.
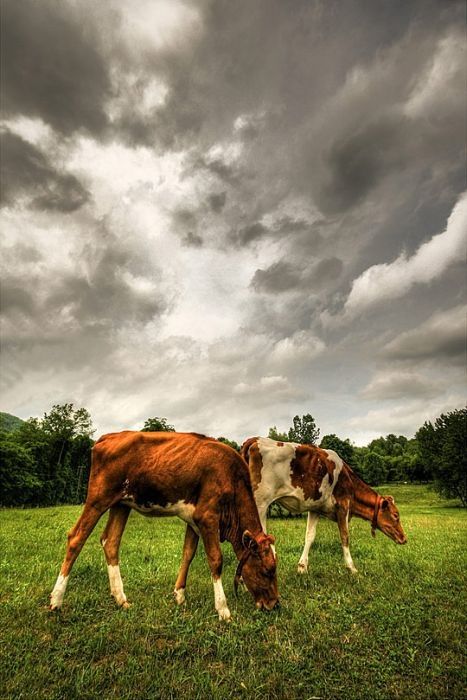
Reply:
x=26 y=172
x=230 y=213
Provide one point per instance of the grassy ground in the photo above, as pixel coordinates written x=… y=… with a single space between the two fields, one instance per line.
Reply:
x=393 y=631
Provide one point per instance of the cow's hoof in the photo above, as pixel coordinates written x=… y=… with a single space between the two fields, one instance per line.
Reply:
x=179 y=596
x=125 y=605
x=224 y=615
x=352 y=570
x=54 y=608
x=302 y=568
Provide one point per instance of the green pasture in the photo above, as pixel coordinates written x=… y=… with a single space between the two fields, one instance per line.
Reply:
x=396 y=630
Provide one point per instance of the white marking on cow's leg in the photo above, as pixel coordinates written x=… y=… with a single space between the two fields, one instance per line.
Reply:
x=263 y=518
x=116 y=585
x=348 y=560
x=179 y=595
x=220 y=601
x=110 y=541
x=310 y=535
x=189 y=550
x=56 y=597
x=343 y=523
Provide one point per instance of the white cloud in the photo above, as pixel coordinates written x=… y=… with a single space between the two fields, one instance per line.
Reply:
x=154 y=25
x=32 y=129
x=136 y=94
x=381 y=283
x=404 y=418
x=395 y=384
x=438 y=88
x=296 y=351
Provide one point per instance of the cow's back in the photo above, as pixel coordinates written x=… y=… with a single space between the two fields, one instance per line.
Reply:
x=164 y=467
x=301 y=477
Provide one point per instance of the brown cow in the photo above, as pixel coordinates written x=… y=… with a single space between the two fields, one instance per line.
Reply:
x=202 y=481
x=306 y=478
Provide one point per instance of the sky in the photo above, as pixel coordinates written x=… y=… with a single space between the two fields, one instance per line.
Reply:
x=230 y=213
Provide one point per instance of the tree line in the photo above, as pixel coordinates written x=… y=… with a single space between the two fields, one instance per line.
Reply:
x=47 y=461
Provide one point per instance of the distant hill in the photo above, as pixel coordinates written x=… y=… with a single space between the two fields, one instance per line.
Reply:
x=9 y=422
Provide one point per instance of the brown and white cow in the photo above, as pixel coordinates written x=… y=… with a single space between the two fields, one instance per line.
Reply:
x=306 y=478
x=202 y=481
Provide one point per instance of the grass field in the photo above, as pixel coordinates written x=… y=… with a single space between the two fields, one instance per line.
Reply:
x=393 y=631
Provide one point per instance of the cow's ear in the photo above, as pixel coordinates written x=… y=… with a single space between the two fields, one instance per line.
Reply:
x=249 y=541
x=390 y=499
x=271 y=539
x=384 y=504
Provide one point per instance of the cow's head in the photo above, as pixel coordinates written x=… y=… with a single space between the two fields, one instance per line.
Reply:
x=257 y=567
x=388 y=520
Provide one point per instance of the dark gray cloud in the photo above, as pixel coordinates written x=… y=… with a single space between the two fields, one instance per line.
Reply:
x=192 y=239
x=217 y=201
x=283 y=276
x=250 y=61
x=52 y=67
x=441 y=337
x=25 y=171
x=14 y=298
x=279 y=277
x=250 y=233
x=286 y=150
x=111 y=287
x=357 y=163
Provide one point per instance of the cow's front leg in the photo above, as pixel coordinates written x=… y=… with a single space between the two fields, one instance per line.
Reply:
x=310 y=535
x=189 y=550
x=343 y=524
x=210 y=534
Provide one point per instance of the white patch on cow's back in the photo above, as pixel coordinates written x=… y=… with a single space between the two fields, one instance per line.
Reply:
x=327 y=487
x=335 y=458
x=276 y=479
x=276 y=461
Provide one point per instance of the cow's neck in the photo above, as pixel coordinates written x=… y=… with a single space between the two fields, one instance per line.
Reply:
x=241 y=515
x=364 y=499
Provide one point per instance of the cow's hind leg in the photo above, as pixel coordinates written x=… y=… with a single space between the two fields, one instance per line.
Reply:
x=77 y=536
x=343 y=523
x=110 y=540
x=189 y=550
x=310 y=535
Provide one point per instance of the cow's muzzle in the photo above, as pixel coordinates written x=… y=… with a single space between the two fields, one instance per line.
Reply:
x=268 y=605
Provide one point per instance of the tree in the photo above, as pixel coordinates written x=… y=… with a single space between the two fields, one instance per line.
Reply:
x=442 y=447
x=65 y=422
x=69 y=431
x=80 y=467
x=389 y=446
x=274 y=434
x=304 y=430
x=231 y=443
x=344 y=448
x=18 y=475
x=46 y=462
x=374 y=468
x=157 y=425
x=9 y=423
x=397 y=454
